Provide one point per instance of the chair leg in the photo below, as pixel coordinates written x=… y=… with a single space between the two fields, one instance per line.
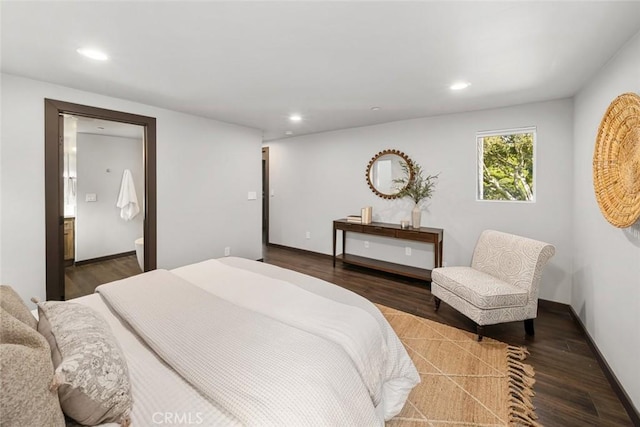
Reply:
x=528 y=327
x=438 y=301
x=480 y=331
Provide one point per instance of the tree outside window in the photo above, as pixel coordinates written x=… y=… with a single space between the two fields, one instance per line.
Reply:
x=506 y=165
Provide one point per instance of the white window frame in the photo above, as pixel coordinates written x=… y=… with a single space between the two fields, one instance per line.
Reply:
x=480 y=157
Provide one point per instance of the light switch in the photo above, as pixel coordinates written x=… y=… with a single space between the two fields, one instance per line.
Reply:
x=273 y=192
x=90 y=197
x=252 y=195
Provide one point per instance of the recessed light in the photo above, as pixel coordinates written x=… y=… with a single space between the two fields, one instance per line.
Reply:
x=288 y=132
x=93 y=54
x=459 y=85
x=375 y=108
x=295 y=117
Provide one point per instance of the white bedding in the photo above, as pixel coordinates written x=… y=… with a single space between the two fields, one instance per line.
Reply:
x=398 y=375
x=161 y=396
x=352 y=328
x=260 y=370
x=159 y=393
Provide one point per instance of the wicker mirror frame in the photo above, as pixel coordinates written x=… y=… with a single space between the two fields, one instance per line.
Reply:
x=373 y=161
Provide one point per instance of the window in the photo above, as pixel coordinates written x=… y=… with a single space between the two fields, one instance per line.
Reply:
x=506 y=165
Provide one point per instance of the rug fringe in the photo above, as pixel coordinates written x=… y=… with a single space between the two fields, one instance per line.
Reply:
x=519 y=353
x=521 y=409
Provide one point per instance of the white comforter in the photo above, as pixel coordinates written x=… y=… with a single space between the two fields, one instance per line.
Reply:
x=268 y=352
x=398 y=375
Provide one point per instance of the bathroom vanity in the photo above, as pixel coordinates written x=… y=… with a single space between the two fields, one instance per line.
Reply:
x=69 y=240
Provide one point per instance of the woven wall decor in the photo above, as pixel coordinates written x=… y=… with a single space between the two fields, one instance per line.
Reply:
x=616 y=161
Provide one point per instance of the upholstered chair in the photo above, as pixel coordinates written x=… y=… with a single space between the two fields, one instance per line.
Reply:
x=502 y=283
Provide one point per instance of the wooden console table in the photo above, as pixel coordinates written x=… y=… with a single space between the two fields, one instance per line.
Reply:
x=422 y=234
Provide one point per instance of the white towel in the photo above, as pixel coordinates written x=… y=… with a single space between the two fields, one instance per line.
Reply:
x=127 y=200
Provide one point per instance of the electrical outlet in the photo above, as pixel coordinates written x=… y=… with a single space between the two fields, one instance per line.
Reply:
x=227 y=251
x=407 y=251
x=444 y=263
x=366 y=244
x=308 y=235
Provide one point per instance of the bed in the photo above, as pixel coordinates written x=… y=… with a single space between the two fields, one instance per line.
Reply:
x=237 y=342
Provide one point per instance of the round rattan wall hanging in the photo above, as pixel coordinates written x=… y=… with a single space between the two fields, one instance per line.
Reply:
x=616 y=161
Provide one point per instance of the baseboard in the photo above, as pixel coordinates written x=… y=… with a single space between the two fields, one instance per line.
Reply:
x=553 y=305
x=608 y=372
x=304 y=251
x=105 y=258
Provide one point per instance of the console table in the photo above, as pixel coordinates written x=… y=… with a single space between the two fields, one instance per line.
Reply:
x=422 y=234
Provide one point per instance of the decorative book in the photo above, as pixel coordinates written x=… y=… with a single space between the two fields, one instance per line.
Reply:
x=354 y=218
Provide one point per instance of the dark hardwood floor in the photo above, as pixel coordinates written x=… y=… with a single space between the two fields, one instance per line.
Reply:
x=83 y=279
x=571 y=389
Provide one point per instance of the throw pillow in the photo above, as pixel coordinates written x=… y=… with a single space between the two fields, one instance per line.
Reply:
x=26 y=372
x=90 y=368
x=11 y=301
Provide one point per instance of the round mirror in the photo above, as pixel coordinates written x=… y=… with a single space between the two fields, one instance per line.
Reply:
x=384 y=169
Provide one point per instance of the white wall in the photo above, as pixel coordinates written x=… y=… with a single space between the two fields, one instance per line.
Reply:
x=319 y=178
x=205 y=169
x=101 y=161
x=606 y=290
x=1 y=180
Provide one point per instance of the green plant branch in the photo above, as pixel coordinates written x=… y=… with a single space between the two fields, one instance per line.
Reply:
x=414 y=185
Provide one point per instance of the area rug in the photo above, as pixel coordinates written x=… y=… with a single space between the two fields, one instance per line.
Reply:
x=463 y=382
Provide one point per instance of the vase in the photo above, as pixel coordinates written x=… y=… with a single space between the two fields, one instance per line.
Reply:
x=416 y=216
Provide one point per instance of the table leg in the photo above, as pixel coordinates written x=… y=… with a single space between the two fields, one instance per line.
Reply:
x=344 y=242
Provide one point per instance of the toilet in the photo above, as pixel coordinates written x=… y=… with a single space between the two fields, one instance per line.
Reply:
x=140 y=252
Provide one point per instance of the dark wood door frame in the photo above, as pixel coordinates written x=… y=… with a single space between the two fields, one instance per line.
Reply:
x=265 y=194
x=53 y=176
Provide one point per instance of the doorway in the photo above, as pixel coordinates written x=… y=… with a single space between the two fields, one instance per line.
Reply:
x=55 y=185
x=103 y=213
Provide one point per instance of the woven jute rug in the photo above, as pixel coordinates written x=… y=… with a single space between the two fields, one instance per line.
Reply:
x=463 y=382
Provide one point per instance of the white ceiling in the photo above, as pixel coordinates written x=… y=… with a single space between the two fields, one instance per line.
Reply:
x=254 y=63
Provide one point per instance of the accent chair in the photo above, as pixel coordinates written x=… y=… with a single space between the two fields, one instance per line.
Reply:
x=502 y=283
